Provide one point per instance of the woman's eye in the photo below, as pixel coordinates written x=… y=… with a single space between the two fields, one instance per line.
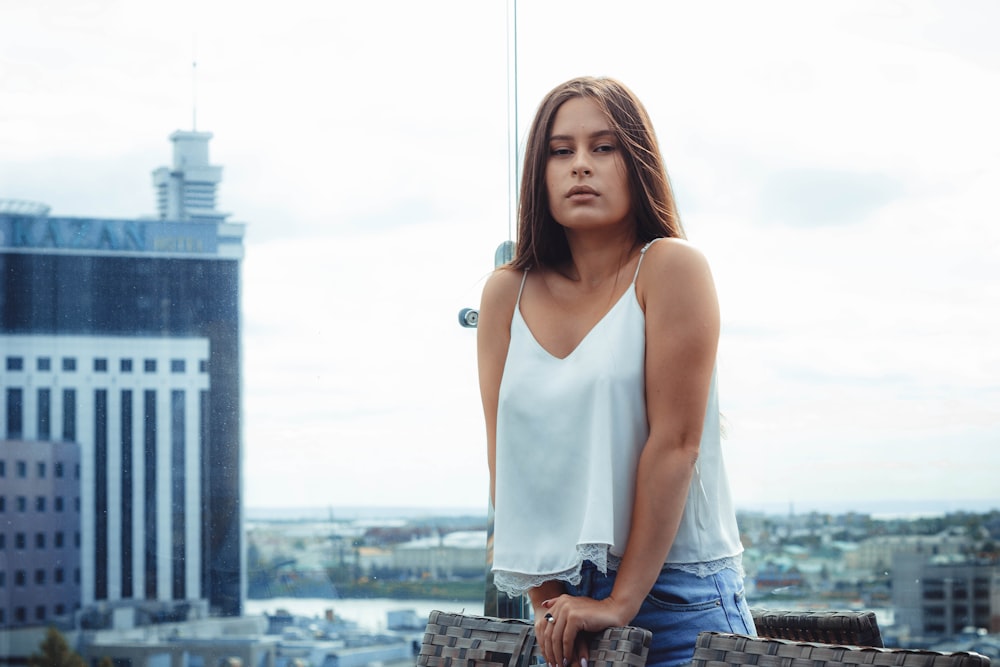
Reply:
x=604 y=148
x=561 y=151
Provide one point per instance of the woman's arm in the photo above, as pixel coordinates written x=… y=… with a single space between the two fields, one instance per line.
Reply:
x=492 y=340
x=682 y=331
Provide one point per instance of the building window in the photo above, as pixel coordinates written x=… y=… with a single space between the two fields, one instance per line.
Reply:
x=58 y=503
x=15 y=413
x=39 y=540
x=100 y=498
x=20 y=578
x=44 y=414
x=40 y=577
x=69 y=364
x=3 y=468
x=3 y=505
x=43 y=364
x=21 y=615
x=59 y=539
x=41 y=470
x=40 y=613
x=149 y=365
x=76 y=540
x=60 y=609
x=3 y=542
x=126 y=491
x=69 y=415
x=125 y=365
x=76 y=471
x=60 y=469
x=15 y=363
x=203 y=366
x=177 y=366
x=100 y=365
x=22 y=504
x=59 y=575
x=20 y=541
x=40 y=504
x=22 y=469
x=3 y=581
x=76 y=503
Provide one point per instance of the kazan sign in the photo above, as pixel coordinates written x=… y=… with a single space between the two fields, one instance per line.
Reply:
x=154 y=236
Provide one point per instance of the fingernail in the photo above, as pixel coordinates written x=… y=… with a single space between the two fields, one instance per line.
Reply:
x=583 y=662
x=565 y=662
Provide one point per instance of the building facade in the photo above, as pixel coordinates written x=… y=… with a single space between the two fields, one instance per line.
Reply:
x=122 y=338
x=40 y=541
x=940 y=596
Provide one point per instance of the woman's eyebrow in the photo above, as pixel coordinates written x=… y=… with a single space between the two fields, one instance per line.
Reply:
x=566 y=137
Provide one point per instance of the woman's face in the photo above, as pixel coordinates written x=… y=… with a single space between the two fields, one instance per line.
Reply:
x=585 y=174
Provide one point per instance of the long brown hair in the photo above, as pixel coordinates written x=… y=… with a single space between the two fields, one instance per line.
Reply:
x=541 y=241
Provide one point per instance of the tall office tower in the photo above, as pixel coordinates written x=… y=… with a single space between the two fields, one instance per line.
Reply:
x=122 y=337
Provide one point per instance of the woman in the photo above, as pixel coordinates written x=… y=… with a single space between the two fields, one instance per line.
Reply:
x=596 y=350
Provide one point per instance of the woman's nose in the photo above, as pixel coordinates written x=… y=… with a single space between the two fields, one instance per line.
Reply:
x=581 y=165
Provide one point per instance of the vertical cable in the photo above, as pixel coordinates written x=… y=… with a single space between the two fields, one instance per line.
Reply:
x=513 y=157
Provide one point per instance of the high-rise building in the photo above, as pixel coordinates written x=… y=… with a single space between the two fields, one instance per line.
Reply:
x=121 y=337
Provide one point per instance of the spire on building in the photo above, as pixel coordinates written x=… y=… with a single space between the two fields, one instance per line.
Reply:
x=186 y=191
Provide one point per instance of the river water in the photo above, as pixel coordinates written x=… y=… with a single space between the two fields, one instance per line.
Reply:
x=370 y=614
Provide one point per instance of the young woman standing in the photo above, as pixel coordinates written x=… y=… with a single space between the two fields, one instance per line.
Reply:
x=597 y=349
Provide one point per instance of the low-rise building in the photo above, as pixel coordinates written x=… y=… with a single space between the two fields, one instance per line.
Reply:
x=940 y=596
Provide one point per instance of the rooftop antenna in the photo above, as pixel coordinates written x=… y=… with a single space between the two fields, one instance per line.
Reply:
x=194 y=84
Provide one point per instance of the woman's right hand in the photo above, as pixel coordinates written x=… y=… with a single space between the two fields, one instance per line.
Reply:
x=545 y=631
x=550 y=641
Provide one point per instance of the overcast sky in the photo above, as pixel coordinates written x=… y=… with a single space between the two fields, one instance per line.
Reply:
x=838 y=162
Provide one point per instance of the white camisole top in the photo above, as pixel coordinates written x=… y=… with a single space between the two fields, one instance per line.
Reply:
x=569 y=435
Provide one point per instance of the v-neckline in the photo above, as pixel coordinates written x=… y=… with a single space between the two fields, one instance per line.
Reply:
x=628 y=290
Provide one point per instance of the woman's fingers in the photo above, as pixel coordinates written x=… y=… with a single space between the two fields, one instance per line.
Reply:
x=543 y=637
x=582 y=651
x=558 y=632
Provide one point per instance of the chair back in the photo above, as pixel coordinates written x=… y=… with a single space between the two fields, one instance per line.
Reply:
x=721 y=649
x=460 y=640
x=858 y=628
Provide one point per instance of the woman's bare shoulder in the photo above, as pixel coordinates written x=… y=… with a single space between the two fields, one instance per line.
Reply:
x=500 y=291
x=672 y=248
x=674 y=258
x=675 y=274
x=502 y=283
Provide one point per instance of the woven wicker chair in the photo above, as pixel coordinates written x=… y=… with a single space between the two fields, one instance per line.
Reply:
x=720 y=649
x=858 y=628
x=457 y=640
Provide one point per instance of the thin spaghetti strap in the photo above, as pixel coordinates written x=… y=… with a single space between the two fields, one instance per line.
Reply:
x=642 y=253
x=524 y=277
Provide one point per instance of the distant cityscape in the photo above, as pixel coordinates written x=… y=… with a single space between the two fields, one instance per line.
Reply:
x=933 y=580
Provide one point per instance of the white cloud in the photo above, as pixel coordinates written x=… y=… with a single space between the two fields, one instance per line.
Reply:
x=365 y=145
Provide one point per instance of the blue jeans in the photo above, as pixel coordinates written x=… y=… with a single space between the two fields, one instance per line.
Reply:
x=680 y=606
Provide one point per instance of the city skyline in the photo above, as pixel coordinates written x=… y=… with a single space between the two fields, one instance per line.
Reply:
x=836 y=163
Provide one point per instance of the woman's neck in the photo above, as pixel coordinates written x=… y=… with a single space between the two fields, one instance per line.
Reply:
x=596 y=258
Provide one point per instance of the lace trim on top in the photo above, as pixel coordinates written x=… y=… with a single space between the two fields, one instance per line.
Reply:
x=515 y=583
x=711 y=567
